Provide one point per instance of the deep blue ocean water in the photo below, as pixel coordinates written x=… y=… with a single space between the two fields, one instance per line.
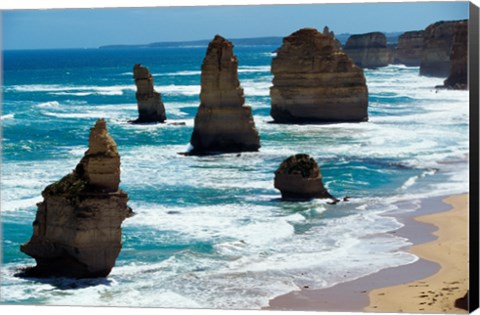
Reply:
x=211 y=231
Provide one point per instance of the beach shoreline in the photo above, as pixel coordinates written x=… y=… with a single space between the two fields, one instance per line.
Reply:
x=425 y=228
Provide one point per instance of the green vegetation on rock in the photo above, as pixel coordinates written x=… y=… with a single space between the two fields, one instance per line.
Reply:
x=301 y=164
x=70 y=186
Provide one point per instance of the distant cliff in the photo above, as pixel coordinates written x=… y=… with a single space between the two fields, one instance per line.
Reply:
x=368 y=50
x=458 y=77
x=438 y=42
x=409 y=48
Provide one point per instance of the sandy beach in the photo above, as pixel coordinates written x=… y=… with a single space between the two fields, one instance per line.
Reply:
x=437 y=282
x=445 y=290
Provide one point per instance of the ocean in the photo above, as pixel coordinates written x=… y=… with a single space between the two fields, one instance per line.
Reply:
x=211 y=231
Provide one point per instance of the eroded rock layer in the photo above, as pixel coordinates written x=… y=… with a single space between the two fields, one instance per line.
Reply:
x=150 y=105
x=314 y=81
x=299 y=178
x=77 y=228
x=222 y=123
x=409 y=49
x=458 y=76
x=368 y=50
x=438 y=43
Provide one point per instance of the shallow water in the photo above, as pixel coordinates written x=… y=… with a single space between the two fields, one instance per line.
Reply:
x=211 y=231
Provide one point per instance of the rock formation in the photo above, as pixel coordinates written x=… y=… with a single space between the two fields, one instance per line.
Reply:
x=222 y=123
x=150 y=106
x=438 y=43
x=368 y=50
x=77 y=228
x=299 y=178
x=314 y=81
x=409 y=49
x=458 y=77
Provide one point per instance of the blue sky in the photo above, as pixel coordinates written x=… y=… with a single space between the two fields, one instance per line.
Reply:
x=90 y=28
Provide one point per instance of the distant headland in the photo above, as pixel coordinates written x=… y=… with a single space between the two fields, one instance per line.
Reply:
x=392 y=38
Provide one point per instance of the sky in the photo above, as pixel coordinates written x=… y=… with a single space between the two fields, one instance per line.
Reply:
x=91 y=28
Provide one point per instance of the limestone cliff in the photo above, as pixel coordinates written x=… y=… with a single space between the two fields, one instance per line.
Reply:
x=368 y=50
x=438 y=43
x=222 y=123
x=458 y=76
x=314 y=81
x=77 y=228
x=409 y=49
x=150 y=105
x=299 y=178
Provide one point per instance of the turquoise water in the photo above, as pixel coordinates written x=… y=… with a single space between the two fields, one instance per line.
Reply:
x=211 y=231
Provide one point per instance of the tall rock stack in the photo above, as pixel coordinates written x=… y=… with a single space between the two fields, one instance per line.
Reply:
x=150 y=105
x=314 y=81
x=222 y=123
x=368 y=50
x=438 y=43
x=409 y=49
x=77 y=228
x=458 y=77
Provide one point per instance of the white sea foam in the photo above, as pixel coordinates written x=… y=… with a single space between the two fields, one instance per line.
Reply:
x=7 y=116
x=256 y=88
x=74 y=90
x=179 y=73
x=179 y=89
x=52 y=104
x=253 y=69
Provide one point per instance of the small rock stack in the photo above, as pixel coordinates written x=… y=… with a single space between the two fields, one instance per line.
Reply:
x=150 y=105
x=77 y=229
x=314 y=81
x=299 y=178
x=222 y=123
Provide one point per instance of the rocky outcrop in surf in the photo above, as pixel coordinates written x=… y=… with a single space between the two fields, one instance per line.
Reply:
x=409 y=49
x=77 y=228
x=314 y=81
x=299 y=178
x=438 y=43
x=458 y=76
x=368 y=50
x=150 y=105
x=222 y=123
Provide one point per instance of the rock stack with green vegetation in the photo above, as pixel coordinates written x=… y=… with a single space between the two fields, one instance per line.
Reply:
x=77 y=229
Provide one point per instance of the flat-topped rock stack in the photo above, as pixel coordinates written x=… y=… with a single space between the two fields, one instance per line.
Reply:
x=368 y=50
x=438 y=43
x=77 y=229
x=314 y=81
x=150 y=105
x=409 y=49
x=222 y=123
x=299 y=178
x=458 y=76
